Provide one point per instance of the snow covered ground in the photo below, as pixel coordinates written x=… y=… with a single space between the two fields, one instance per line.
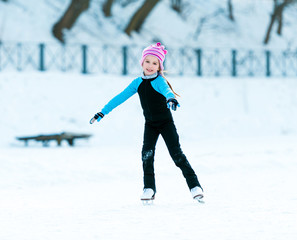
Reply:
x=202 y=24
x=239 y=135
x=93 y=193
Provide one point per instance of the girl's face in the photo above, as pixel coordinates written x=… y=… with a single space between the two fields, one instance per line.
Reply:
x=150 y=65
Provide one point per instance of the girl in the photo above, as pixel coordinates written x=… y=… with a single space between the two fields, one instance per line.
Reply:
x=157 y=98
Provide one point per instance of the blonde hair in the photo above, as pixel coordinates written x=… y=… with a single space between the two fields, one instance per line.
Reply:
x=162 y=74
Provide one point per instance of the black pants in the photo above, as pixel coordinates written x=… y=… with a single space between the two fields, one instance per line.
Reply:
x=168 y=131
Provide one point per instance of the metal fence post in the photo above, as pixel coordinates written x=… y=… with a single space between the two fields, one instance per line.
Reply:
x=182 y=62
x=125 y=60
x=84 y=59
x=268 y=73
x=0 y=54
x=19 y=57
x=41 y=57
x=199 y=55
x=234 y=70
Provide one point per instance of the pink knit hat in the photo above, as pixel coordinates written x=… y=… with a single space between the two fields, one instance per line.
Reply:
x=156 y=50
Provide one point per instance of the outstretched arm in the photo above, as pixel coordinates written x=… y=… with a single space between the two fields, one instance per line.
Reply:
x=117 y=100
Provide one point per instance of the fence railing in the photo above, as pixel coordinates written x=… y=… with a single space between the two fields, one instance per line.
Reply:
x=124 y=60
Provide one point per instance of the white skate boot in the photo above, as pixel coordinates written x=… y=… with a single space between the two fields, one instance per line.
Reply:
x=147 y=196
x=197 y=194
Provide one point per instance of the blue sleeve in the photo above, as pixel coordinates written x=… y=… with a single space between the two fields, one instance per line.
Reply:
x=161 y=86
x=122 y=97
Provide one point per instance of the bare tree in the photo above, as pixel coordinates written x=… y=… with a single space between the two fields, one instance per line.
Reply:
x=176 y=5
x=277 y=15
x=140 y=15
x=74 y=10
x=230 y=10
x=107 y=7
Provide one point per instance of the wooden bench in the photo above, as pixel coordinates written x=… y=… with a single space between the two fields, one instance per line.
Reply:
x=69 y=137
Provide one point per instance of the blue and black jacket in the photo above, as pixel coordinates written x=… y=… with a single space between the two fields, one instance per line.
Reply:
x=153 y=93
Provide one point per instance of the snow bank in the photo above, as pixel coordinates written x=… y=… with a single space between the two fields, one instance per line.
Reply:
x=34 y=103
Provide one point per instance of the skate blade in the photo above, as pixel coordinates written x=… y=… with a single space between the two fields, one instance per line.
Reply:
x=199 y=199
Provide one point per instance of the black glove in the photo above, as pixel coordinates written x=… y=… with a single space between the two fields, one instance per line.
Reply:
x=98 y=116
x=172 y=103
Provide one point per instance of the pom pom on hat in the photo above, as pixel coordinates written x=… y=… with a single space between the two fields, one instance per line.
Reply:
x=156 y=50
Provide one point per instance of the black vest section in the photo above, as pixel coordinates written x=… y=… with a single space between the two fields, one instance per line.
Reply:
x=153 y=103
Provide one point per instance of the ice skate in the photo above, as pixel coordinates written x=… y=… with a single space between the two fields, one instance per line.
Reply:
x=197 y=194
x=147 y=196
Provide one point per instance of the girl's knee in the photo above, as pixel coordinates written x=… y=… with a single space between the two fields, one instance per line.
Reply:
x=179 y=158
x=147 y=155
